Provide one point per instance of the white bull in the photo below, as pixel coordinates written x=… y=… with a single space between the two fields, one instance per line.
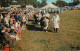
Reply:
x=45 y=23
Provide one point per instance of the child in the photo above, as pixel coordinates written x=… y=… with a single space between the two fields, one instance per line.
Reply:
x=6 y=48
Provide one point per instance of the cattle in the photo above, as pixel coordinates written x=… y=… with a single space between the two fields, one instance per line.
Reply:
x=37 y=18
x=44 y=22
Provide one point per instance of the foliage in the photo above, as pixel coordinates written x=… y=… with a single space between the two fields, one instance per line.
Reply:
x=43 y=3
x=70 y=4
x=36 y=3
x=4 y=1
x=53 y=3
x=75 y=3
x=61 y=3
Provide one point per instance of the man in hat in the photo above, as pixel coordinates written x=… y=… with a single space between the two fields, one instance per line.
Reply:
x=56 y=21
x=8 y=38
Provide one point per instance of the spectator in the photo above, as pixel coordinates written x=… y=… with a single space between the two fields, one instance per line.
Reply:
x=8 y=38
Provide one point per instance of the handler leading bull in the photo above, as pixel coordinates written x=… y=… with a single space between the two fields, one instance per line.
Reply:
x=45 y=21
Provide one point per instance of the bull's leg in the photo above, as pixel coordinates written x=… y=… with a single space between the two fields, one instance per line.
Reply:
x=36 y=21
x=41 y=28
x=56 y=30
x=46 y=30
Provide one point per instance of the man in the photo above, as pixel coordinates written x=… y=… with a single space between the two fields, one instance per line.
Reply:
x=44 y=22
x=56 y=21
x=36 y=17
x=6 y=20
x=46 y=15
x=8 y=38
x=39 y=18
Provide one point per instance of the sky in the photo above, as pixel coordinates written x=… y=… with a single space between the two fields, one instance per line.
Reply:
x=49 y=1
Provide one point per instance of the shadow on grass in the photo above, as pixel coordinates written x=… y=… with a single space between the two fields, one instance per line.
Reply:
x=33 y=28
x=74 y=47
x=1 y=43
x=30 y=20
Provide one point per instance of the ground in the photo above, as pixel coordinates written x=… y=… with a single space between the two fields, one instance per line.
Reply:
x=67 y=38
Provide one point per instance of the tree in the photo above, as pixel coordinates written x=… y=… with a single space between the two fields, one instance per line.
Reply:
x=61 y=3
x=43 y=3
x=53 y=3
x=6 y=3
x=70 y=4
x=75 y=3
x=0 y=2
x=35 y=3
x=38 y=4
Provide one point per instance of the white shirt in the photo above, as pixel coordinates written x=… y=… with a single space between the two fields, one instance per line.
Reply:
x=56 y=20
x=6 y=20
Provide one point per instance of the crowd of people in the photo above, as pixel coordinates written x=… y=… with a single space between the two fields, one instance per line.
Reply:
x=71 y=8
x=12 y=24
x=53 y=10
x=13 y=21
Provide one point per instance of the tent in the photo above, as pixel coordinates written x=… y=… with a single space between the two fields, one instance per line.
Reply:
x=50 y=5
x=29 y=6
x=15 y=5
x=78 y=5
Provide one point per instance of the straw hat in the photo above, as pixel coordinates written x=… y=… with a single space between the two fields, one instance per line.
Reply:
x=12 y=27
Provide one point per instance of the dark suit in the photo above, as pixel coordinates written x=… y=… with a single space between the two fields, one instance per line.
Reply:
x=8 y=39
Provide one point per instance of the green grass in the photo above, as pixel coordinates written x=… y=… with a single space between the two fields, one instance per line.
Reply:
x=67 y=39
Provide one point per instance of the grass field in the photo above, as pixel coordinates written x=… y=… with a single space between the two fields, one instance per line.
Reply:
x=67 y=39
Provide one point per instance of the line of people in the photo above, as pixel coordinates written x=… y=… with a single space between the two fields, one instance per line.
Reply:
x=12 y=24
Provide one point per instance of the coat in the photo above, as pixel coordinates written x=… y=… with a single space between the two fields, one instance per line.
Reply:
x=56 y=20
x=7 y=36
